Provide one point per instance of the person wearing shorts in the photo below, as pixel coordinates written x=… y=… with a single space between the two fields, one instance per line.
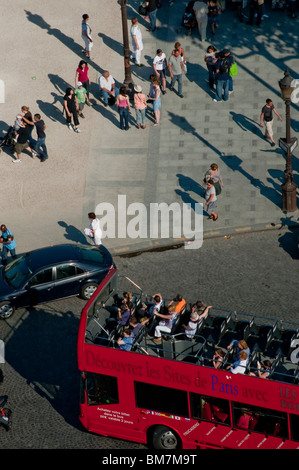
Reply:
x=23 y=143
x=211 y=200
x=160 y=65
x=86 y=35
x=267 y=119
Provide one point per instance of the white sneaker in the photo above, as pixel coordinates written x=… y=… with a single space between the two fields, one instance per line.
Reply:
x=17 y=160
x=77 y=130
x=34 y=154
x=230 y=92
x=70 y=127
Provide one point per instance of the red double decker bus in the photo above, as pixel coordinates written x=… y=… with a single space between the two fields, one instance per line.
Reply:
x=170 y=395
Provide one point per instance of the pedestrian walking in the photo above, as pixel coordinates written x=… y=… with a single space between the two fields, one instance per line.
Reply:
x=156 y=99
x=82 y=75
x=123 y=105
x=140 y=107
x=40 y=145
x=94 y=232
x=214 y=8
x=256 y=10
x=211 y=200
x=266 y=118
x=82 y=98
x=213 y=174
x=137 y=43
x=152 y=8
x=86 y=35
x=9 y=244
x=201 y=13
x=160 y=67
x=71 y=108
x=176 y=68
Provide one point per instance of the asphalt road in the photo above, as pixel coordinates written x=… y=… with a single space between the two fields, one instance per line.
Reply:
x=256 y=272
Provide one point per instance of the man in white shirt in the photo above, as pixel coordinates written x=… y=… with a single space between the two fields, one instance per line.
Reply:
x=107 y=86
x=136 y=42
x=160 y=65
x=201 y=12
x=86 y=35
x=95 y=229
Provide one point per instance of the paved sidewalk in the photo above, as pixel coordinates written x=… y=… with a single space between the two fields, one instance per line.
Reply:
x=48 y=203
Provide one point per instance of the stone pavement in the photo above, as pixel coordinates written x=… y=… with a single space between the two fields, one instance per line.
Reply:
x=48 y=203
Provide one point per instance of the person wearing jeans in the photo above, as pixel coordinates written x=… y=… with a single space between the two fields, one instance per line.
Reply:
x=175 y=66
x=9 y=244
x=123 y=105
x=222 y=76
x=107 y=86
x=40 y=145
x=140 y=107
x=152 y=6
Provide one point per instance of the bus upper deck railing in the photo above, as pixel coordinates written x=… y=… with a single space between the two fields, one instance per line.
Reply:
x=267 y=339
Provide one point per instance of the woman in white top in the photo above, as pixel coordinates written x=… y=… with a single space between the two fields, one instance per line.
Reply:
x=95 y=229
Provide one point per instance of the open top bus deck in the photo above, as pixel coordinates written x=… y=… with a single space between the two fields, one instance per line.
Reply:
x=170 y=394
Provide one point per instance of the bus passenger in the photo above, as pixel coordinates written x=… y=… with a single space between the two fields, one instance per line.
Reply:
x=146 y=312
x=239 y=367
x=125 y=343
x=124 y=313
x=264 y=372
x=195 y=320
x=135 y=325
x=179 y=303
x=218 y=358
x=240 y=346
x=166 y=324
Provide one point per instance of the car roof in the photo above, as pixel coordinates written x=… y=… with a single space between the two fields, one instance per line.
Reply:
x=52 y=255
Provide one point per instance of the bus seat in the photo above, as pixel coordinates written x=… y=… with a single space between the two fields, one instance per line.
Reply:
x=207 y=412
x=138 y=338
x=253 y=422
x=219 y=414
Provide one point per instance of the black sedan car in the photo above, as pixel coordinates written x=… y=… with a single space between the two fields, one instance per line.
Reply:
x=52 y=273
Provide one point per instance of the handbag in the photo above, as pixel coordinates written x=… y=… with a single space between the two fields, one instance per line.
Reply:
x=142 y=10
x=217 y=187
x=233 y=71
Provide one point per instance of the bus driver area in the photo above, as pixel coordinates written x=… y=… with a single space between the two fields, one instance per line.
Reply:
x=174 y=393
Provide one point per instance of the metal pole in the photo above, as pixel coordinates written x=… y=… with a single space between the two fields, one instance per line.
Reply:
x=289 y=202
x=128 y=78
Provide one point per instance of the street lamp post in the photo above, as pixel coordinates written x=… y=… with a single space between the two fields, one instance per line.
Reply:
x=289 y=203
x=128 y=81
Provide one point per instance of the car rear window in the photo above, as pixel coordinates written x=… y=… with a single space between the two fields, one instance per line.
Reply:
x=92 y=255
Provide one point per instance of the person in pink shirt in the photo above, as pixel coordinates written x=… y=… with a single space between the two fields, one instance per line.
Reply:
x=83 y=76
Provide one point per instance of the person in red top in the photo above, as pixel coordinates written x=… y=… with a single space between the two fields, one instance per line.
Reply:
x=82 y=75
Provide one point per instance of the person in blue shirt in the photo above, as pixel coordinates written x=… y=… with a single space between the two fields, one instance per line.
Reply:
x=125 y=343
x=9 y=244
x=224 y=63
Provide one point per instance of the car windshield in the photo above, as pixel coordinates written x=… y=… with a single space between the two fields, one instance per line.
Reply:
x=92 y=254
x=17 y=272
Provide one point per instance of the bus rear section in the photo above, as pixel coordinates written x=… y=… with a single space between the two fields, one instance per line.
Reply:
x=170 y=396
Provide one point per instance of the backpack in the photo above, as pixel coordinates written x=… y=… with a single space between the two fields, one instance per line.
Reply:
x=224 y=67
